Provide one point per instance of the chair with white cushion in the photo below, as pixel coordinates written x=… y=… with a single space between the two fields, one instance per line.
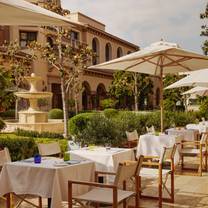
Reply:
x=156 y=168
x=195 y=149
x=110 y=194
x=5 y=158
x=132 y=139
x=49 y=149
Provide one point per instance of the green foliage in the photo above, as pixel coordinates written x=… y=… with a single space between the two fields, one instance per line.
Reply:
x=79 y=122
x=108 y=103
x=2 y=124
x=111 y=126
x=100 y=130
x=55 y=114
x=204 y=30
x=35 y=134
x=123 y=86
x=6 y=97
x=172 y=96
x=109 y=113
x=8 y=114
x=203 y=109
x=25 y=147
x=19 y=147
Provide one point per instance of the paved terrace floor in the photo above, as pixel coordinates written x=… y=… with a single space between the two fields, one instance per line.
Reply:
x=191 y=191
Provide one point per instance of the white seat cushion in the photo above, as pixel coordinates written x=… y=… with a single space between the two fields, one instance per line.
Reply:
x=103 y=195
x=152 y=172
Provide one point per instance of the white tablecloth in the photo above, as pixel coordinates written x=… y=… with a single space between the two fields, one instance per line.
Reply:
x=105 y=160
x=45 y=179
x=185 y=134
x=151 y=145
x=201 y=127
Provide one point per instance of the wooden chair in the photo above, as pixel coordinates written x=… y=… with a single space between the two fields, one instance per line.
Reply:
x=132 y=139
x=195 y=149
x=49 y=149
x=4 y=158
x=156 y=168
x=110 y=194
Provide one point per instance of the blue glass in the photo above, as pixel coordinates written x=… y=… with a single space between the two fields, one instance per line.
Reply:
x=37 y=158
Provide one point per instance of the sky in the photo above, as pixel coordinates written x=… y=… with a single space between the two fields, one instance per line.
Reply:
x=143 y=22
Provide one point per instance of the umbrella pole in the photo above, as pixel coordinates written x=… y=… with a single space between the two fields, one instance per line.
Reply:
x=161 y=101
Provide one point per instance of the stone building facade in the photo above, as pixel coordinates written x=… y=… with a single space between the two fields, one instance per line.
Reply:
x=86 y=30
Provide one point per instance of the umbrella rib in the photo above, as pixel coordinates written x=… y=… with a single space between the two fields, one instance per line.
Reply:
x=173 y=61
x=143 y=60
x=158 y=61
x=179 y=60
x=184 y=56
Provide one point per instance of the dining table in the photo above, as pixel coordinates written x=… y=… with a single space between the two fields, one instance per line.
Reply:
x=48 y=179
x=105 y=158
x=201 y=126
x=152 y=145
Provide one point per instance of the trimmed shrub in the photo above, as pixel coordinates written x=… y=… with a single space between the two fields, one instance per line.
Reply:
x=79 y=122
x=8 y=114
x=108 y=103
x=110 y=112
x=203 y=109
x=19 y=147
x=25 y=147
x=35 y=134
x=100 y=130
x=2 y=124
x=55 y=114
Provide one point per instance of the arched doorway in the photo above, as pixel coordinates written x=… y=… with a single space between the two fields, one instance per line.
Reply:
x=95 y=48
x=86 y=96
x=101 y=94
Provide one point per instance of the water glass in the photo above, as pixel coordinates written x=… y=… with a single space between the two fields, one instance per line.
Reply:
x=37 y=158
x=66 y=156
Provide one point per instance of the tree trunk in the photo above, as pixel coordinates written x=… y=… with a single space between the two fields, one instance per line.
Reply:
x=135 y=92
x=65 y=109
x=63 y=92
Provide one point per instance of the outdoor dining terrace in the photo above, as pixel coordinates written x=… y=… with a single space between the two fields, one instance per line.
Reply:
x=158 y=170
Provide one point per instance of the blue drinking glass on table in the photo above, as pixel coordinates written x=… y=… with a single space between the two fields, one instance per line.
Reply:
x=37 y=158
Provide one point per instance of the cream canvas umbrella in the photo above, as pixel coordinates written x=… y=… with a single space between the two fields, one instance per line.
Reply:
x=20 y=12
x=201 y=91
x=158 y=59
x=196 y=78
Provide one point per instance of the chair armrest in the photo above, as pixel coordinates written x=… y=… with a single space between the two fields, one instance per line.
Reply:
x=151 y=157
x=190 y=143
x=151 y=163
x=102 y=185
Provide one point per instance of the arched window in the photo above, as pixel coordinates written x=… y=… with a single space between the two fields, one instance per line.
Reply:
x=95 y=48
x=108 y=52
x=119 y=52
x=157 y=97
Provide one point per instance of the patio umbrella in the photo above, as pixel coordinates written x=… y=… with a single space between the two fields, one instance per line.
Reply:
x=201 y=91
x=158 y=59
x=20 y=12
x=197 y=78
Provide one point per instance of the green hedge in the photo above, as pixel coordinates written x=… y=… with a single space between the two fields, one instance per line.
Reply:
x=8 y=114
x=2 y=124
x=79 y=122
x=55 y=113
x=19 y=147
x=24 y=147
x=99 y=128
x=36 y=134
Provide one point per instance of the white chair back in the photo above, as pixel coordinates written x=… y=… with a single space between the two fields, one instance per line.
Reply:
x=49 y=149
x=132 y=136
x=168 y=154
x=150 y=129
x=4 y=156
x=72 y=145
